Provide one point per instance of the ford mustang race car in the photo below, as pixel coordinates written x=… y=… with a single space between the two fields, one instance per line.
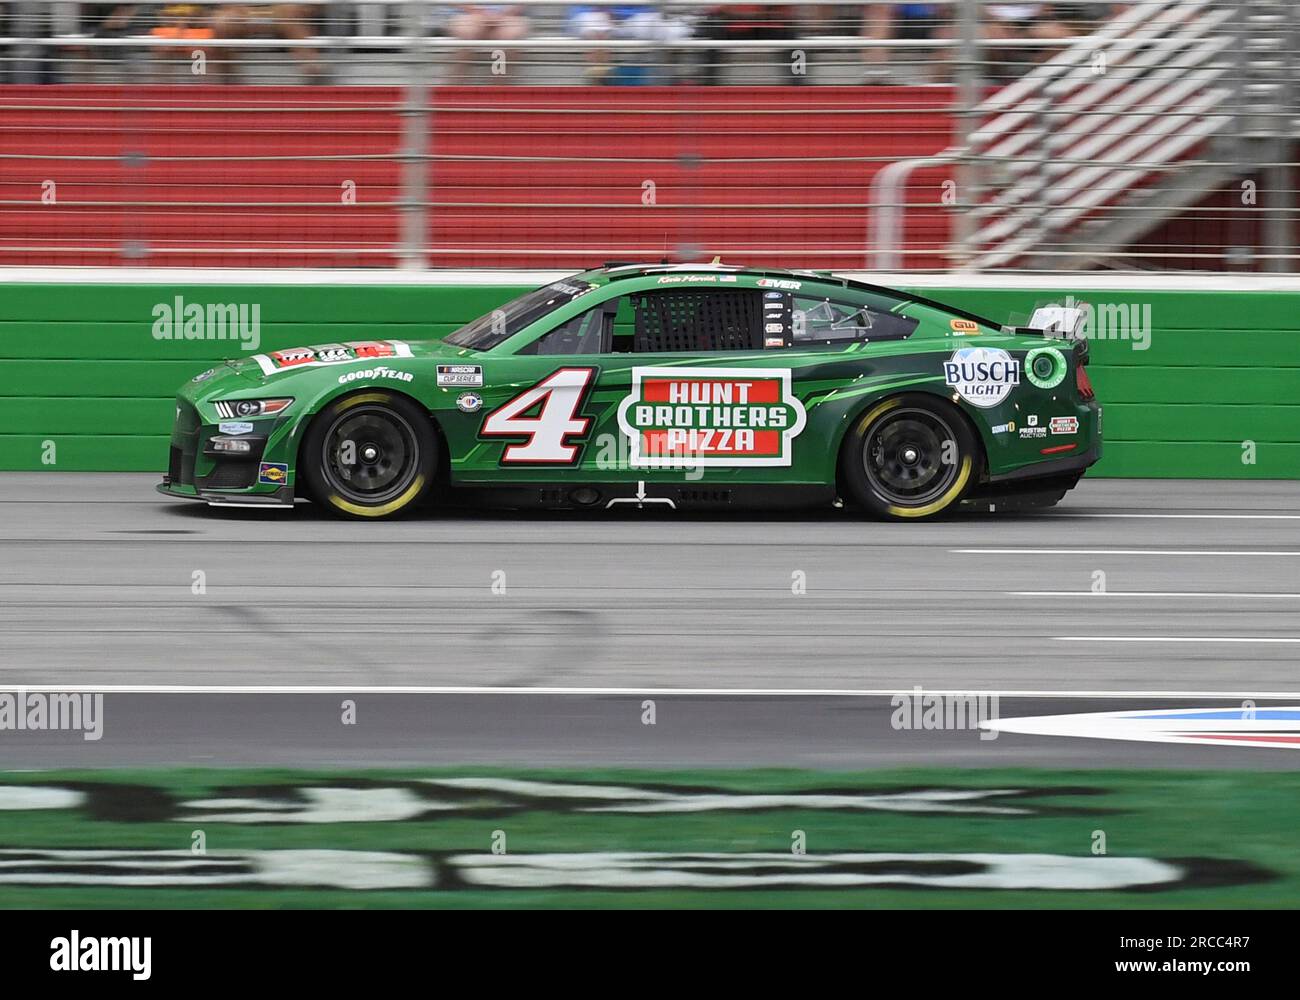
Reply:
x=657 y=386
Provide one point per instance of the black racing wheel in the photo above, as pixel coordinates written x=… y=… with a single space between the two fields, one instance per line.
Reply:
x=370 y=455
x=909 y=457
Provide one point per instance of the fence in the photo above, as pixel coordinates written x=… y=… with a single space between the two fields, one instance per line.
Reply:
x=1156 y=133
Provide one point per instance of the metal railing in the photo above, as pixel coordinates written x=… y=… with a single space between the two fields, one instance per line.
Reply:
x=967 y=140
x=1091 y=148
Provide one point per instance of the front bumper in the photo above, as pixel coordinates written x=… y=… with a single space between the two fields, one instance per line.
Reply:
x=196 y=471
x=283 y=497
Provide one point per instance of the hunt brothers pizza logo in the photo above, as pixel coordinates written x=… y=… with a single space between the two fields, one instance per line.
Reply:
x=711 y=417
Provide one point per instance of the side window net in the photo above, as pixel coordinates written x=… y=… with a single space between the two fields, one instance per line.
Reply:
x=696 y=320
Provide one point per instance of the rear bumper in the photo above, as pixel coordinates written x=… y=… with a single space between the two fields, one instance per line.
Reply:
x=1052 y=469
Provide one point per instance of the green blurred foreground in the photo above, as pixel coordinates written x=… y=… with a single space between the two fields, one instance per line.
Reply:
x=770 y=838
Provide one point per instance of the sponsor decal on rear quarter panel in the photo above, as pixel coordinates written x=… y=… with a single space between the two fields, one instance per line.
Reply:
x=983 y=376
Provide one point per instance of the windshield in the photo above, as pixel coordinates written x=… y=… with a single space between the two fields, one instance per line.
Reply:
x=492 y=328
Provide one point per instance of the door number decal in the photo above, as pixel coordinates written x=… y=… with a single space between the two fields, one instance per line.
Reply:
x=545 y=433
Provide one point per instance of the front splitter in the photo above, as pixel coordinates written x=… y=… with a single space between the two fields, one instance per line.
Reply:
x=281 y=498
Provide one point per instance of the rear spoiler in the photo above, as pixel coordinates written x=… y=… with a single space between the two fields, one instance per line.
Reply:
x=1060 y=323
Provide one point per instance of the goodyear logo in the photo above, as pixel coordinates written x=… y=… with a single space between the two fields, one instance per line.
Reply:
x=711 y=417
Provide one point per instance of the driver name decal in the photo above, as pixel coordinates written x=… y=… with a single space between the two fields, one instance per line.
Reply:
x=731 y=417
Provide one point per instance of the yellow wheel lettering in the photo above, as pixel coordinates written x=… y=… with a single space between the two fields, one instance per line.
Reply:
x=949 y=496
x=365 y=397
x=884 y=407
x=380 y=511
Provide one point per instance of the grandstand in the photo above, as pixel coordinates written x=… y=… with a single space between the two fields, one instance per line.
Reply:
x=1150 y=134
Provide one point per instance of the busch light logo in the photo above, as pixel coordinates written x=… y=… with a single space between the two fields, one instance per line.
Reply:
x=983 y=376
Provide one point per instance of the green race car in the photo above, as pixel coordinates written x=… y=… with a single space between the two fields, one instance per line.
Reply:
x=657 y=386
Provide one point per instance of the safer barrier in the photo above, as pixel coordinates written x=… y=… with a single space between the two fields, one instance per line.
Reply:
x=1198 y=383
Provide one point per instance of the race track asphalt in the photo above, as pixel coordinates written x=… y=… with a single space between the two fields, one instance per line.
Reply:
x=1202 y=596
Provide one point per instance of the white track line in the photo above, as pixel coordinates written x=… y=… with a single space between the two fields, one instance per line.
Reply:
x=1125 y=552
x=1167 y=638
x=1147 y=593
x=1208 y=517
x=621 y=691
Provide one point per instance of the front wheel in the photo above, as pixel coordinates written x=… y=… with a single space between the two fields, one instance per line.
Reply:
x=909 y=457
x=370 y=455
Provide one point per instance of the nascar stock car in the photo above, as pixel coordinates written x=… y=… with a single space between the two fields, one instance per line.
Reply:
x=658 y=386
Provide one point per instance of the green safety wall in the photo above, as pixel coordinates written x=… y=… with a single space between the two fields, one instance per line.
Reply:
x=82 y=369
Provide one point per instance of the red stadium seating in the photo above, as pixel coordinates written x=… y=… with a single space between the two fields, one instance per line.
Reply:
x=520 y=176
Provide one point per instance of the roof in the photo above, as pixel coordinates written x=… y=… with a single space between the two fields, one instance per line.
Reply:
x=613 y=271
x=616 y=270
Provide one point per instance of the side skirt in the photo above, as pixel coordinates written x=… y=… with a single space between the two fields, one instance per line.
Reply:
x=639 y=496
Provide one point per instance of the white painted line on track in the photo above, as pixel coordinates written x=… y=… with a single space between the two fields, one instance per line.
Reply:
x=618 y=691
x=1148 y=593
x=1169 y=638
x=1208 y=517
x=1127 y=552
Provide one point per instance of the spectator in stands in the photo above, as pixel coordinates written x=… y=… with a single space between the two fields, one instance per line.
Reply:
x=912 y=22
x=1085 y=18
x=1023 y=20
x=640 y=21
x=489 y=22
x=1001 y=22
x=289 y=21
x=28 y=62
x=1016 y=21
x=750 y=21
x=187 y=21
x=110 y=19
x=70 y=63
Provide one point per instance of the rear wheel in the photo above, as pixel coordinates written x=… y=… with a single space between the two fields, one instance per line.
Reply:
x=909 y=457
x=370 y=455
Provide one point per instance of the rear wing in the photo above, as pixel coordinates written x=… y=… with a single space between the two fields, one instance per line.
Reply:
x=1060 y=323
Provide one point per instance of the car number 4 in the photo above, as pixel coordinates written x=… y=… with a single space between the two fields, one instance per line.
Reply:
x=545 y=433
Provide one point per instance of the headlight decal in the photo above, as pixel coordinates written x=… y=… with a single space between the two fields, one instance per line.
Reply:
x=229 y=409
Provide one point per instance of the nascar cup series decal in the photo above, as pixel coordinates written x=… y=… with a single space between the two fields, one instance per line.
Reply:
x=983 y=376
x=459 y=375
x=727 y=417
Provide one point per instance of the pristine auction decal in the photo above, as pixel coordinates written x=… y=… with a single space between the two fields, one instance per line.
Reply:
x=983 y=376
x=711 y=416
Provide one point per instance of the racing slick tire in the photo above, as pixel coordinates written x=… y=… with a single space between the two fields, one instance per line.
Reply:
x=909 y=457
x=369 y=455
